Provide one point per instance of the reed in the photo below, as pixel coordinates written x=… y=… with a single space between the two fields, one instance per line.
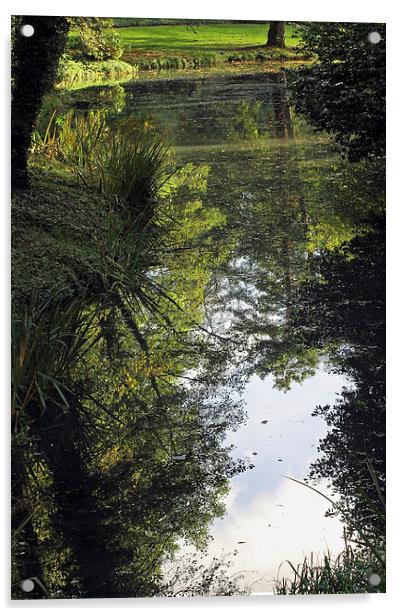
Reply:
x=351 y=570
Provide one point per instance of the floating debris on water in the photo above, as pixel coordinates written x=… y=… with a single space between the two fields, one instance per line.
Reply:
x=180 y=458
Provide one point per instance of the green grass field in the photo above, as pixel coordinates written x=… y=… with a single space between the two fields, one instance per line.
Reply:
x=200 y=38
x=176 y=46
x=185 y=46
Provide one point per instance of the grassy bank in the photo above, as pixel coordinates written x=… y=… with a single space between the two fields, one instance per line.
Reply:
x=184 y=46
x=87 y=184
x=58 y=222
x=181 y=46
x=73 y=75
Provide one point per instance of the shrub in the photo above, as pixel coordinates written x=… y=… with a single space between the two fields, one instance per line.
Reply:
x=95 y=39
x=344 y=93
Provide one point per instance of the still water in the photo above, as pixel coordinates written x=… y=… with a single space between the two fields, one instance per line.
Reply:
x=290 y=254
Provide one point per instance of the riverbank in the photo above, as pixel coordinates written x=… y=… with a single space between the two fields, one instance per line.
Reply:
x=157 y=61
x=59 y=223
x=187 y=46
x=183 y=46
x=74 y=75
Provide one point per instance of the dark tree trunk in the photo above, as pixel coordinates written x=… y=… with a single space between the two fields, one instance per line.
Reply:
x=33 y=68
x=276 y=34
x=280 y=103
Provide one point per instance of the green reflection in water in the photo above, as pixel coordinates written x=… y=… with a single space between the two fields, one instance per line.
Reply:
x=261 y=266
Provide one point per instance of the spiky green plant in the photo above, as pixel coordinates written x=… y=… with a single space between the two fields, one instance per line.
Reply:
x=350 y=571
x=127 y=166
x=70 y=137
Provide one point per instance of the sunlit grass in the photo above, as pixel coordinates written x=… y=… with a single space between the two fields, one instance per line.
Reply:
x=214 y=37
x=183 y=46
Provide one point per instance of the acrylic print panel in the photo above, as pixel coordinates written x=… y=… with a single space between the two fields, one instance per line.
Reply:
x=198 y=401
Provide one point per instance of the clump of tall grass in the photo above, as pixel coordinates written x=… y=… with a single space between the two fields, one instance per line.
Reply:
x=70 y=137
x=352 y=571
x=49 y=336
x=129 y=166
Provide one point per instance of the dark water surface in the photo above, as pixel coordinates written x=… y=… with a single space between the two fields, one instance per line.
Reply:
x=287 y=269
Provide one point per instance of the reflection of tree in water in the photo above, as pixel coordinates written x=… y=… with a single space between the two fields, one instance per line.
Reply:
x=258 y=116
x=334 y=308
x=189 y=108
x=343 y=306
x=293 y=293
x=142 y=418
x=282 y=114
x=307 y=283
x=207 y=110
x=284 y=212
x=126 y=451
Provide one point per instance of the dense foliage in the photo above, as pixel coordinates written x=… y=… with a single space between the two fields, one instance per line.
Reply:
x=95 y=39
x=344 y=91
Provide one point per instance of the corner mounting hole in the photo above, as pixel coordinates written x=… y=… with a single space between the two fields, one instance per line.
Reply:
x=27 y=585
x=27 y=30
x=374 y=579
x=374 y=37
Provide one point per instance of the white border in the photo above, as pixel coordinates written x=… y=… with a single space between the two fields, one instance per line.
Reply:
x=341 y=10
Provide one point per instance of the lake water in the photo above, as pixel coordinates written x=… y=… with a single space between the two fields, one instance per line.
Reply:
x=278 y=203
